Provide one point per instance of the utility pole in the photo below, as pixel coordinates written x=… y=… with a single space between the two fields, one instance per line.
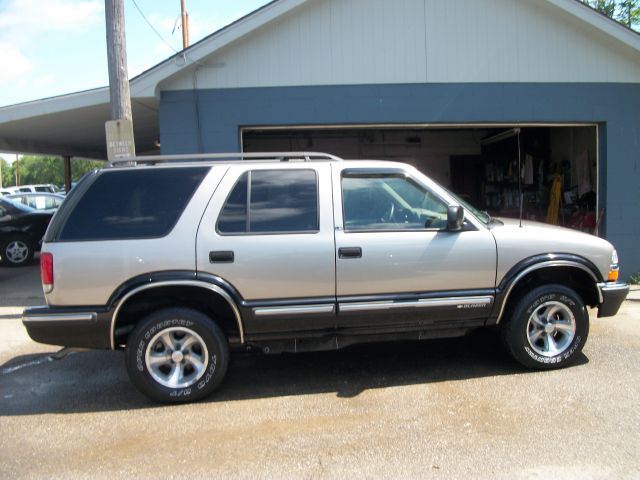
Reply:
x=185 y=23
x=119 y=131
x=117 y=57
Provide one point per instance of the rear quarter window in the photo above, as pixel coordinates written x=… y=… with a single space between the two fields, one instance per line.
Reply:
x=127 y=204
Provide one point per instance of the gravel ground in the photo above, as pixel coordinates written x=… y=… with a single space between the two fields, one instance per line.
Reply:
x=455 y=408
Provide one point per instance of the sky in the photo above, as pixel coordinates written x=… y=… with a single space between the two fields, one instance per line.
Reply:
x=53 y=47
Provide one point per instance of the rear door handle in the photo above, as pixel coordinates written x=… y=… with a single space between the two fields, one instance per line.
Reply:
x=223 y=256
x=350 y=252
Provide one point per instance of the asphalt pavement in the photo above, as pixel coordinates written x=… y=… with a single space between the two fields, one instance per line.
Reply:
x=457 y=408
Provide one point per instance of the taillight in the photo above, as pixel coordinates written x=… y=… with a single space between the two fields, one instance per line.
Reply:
x=46 y=271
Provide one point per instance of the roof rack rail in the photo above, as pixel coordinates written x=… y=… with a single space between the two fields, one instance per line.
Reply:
x=229 y=157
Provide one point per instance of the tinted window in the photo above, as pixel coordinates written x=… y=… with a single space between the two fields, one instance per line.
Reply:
x=389 y=202
x=133 y=203
x=233 y=218
x=272 y=201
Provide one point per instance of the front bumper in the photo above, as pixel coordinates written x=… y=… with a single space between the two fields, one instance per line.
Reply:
x=84 y=327
x=612 y=295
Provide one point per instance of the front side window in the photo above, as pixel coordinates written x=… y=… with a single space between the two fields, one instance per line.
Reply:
x=271 y=201
x=389 y=202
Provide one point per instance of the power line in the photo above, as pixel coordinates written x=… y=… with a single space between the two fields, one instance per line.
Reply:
x=152 y=27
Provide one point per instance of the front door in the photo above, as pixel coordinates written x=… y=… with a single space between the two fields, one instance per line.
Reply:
x=396 y=262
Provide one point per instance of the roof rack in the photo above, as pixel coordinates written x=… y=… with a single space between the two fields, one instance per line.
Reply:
x=228 y=157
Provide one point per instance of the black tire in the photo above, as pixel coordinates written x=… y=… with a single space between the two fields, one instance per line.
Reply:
x=17 y=251
x=177 y=341
x=538 y=332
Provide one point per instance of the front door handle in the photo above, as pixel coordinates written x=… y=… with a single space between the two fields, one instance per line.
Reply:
x=222 y=256
x=350 y=252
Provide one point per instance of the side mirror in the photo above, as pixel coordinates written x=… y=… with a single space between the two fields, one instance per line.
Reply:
x=455 y=217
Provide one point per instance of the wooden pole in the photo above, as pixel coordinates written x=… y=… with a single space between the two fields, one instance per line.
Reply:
x=67 y=172
x=185 y=23
x=17 y=170
x=117 y=58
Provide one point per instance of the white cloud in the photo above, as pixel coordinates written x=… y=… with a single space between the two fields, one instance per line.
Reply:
x=30 y=16
x=23 y=26
x=20 y=64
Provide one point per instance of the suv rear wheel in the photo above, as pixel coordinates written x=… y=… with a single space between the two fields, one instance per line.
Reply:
x=177 y=355
x=548 y=328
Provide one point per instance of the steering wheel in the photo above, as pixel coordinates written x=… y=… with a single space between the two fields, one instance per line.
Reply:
x=389 y=211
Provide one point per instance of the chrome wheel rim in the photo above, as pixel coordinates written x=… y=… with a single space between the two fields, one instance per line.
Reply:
x=17 y=251
x=551 y=329
x=176 y=357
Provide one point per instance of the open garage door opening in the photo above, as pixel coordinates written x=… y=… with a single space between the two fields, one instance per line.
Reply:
x=558 y=164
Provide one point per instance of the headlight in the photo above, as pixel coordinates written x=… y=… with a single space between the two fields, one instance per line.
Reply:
x=614 y=258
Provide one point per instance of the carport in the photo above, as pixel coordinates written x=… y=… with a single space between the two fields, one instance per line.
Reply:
x=73 y=126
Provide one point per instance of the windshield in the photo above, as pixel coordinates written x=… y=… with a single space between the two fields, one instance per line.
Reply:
x=484 y=217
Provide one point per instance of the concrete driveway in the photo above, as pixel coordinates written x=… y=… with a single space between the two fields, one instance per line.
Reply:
x=437 y=409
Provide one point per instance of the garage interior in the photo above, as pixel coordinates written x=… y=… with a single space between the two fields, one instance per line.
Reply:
x=559 y=164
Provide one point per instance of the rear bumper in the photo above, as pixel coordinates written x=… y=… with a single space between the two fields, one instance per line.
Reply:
x=68 y=327
x=612 y=294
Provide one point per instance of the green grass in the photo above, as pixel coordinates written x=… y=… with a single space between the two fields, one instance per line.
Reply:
x=635 y=279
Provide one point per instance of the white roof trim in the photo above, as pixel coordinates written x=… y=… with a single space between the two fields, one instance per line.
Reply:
x=146 y=83
x=44 y=106
x=600 y=21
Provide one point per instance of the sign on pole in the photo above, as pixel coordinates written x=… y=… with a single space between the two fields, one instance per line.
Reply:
x=120 y=141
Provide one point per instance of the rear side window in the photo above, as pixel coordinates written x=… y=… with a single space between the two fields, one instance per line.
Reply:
x=132 y=203
x=271 y=201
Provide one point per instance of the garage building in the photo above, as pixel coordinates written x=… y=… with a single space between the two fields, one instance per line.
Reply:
x=472 y=92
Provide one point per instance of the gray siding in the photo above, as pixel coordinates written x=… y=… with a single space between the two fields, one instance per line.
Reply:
x=210 y=120
x=351 y=42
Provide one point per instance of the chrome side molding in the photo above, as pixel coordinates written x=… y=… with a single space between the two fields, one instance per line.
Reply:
x=458 y=302
x=294 y=310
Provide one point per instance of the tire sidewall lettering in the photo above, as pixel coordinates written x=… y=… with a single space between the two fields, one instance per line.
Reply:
x=209 y=375
x=566 y=355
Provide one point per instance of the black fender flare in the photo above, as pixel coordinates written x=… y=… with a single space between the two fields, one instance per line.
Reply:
x=537 y=262
x=152 y=280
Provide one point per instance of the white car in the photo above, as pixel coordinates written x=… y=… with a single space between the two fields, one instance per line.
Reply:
x=47 y=202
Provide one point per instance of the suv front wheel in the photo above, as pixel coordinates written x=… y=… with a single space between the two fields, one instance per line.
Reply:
x=177 y=355
x=547 y=328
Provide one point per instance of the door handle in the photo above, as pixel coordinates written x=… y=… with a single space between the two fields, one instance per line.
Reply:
x=350 y=252
x=223 y=256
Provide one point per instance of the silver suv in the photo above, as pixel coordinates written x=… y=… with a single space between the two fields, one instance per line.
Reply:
x=178 y=259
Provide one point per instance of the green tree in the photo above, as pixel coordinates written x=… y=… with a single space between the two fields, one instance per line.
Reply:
x=7 y=178
x=626 y=12
x=36 y=169
x=80 y=166
x=629 y=13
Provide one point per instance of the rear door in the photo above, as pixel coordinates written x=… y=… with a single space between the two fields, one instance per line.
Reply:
x=268 y=231
x=397 y=263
